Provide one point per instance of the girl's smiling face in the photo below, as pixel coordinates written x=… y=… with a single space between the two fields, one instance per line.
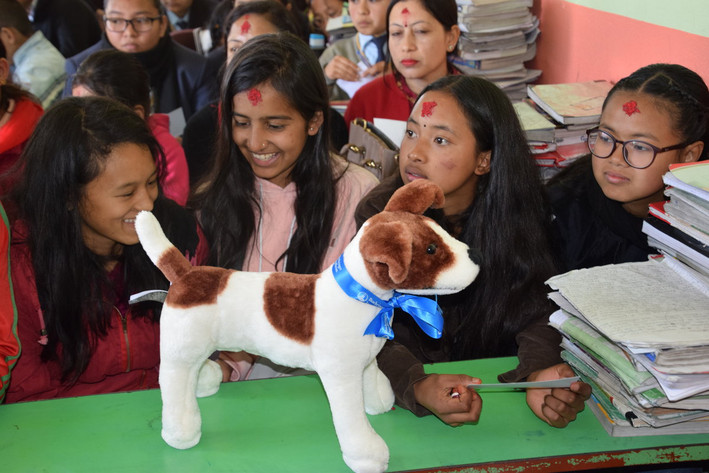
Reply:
x=270 y=132
x=127 y=184
x=650 y=120
x=440 y=146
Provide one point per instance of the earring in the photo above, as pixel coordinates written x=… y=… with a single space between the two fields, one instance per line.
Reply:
x=450 y=47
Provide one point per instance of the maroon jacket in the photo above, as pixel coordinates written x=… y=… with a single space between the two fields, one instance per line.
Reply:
x=126 y=359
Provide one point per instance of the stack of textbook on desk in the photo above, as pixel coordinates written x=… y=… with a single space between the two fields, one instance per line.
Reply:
x=573 y=108
x=498 y=37
x=638 y=333
x=679 y=227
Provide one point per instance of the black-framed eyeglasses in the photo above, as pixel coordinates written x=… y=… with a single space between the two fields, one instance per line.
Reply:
x=638 y=154
x=140 y=24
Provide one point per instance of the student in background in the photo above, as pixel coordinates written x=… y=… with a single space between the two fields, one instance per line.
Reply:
x=37 y=65
x=179 y=77
x=70 y=25
x=188 y=14
x=463 y=134
x=302 y=23
x=657 y=116
x=277 y=199
x=423 y=36
x=321 y=11
x=76 y=257
x=118 y=75
x=9 y=341
x=19 y=113
x=368 y=46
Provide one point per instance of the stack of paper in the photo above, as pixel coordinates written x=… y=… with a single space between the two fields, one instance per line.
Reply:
x=680 y=227
x=576 y=103
x=538 y=129
x=638 y=333
x=498 y=37
x=573 y=108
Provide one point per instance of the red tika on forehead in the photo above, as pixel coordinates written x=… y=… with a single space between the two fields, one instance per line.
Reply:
x=427 y=109
x=245 y=26
x=631 y=107
x=405 y=13
x=254 y=96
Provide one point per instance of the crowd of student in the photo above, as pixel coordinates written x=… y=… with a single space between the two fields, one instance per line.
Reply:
x=255 y=184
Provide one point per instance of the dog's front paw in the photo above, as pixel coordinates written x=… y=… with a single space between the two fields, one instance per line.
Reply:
x=372 y=459
x=179 y=440
x=209 y=378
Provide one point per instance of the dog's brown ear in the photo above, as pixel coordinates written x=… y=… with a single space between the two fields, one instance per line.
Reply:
x=416 y=197
x=387 y=249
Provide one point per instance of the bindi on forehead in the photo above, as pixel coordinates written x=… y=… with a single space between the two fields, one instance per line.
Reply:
x=254 y=96
x=405 y=14
x=631 y=107
x=245 y=26
x=427 y=109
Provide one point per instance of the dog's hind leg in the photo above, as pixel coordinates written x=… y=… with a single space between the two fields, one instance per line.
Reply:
x=363 y=450
x=209 y=379
x=378 y=395
x=181 y=420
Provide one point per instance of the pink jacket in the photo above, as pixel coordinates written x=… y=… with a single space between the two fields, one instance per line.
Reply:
x=176 y=181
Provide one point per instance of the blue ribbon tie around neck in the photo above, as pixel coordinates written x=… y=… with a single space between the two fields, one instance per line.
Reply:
x=426 y=312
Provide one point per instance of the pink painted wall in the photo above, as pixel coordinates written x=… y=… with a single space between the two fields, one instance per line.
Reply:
x=577 y=44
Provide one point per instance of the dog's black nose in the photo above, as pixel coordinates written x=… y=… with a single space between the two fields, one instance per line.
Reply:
x=475 y=255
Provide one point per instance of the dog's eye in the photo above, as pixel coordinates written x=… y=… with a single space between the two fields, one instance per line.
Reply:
x=431 y=249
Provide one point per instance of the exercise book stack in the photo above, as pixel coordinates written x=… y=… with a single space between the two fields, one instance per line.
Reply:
x=573 y=108
x=638 y=333
x=497 y=38
x=679 y=227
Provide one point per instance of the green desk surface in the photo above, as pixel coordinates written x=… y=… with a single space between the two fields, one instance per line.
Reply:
x=284 y=425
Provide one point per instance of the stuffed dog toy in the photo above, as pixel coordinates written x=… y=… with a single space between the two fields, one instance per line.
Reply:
x=334 y=323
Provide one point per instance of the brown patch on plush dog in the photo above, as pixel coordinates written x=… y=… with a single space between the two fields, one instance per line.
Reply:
x=200 y=286
x=416 y=197
x=388 y=253
x=173 y=264
x=289 y=304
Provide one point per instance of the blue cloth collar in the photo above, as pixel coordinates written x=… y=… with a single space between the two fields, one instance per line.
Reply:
x=426 y=312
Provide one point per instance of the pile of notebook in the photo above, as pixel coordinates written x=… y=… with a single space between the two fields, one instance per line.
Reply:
x=498 y=37
x=570 y=109
x=638 y=333
x=679 y=227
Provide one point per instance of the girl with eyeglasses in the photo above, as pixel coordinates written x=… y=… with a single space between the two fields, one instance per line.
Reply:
x=655 y=117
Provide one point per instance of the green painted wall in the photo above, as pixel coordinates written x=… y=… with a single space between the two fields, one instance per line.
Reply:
x=691 y=16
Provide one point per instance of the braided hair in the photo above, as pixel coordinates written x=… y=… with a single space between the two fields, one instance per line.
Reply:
x=682 y=90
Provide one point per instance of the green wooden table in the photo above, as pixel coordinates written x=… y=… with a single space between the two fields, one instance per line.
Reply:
x=284 y=425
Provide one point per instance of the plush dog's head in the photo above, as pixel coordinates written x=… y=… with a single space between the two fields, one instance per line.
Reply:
x=406 y=251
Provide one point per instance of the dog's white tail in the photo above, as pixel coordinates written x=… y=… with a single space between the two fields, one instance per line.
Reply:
x=160 y=250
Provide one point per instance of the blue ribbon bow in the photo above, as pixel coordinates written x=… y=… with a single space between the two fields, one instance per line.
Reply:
x=426 y=312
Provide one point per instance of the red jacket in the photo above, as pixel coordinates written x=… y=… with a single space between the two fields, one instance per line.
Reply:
x=387 y=96
x=380 y=98
x=9 y=343
x=126 y=359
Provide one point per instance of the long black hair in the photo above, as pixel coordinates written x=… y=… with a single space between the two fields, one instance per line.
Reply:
x=508 y=222
x=115 y=74
x=67 y=151
x=226 y=201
